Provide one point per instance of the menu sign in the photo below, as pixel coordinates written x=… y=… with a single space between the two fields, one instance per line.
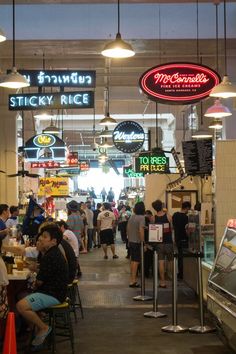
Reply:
x=177 y=83
x=178 y=163
x=198 y=156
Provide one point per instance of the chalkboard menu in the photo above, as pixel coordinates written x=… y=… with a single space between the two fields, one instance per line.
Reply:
x=198 y=156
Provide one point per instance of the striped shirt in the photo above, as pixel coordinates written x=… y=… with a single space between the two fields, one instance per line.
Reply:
x=75 y=223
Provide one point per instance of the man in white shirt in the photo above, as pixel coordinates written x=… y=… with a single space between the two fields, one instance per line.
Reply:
x=105 y=222
x=70 y=237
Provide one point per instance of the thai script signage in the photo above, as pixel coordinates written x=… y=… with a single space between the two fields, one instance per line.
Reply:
x=63 y=100
x=53 y=186
x=151 y=163
x=45 y=148
x=129 y=172
x=178 y=83
x=128 y=136
x=61 y=78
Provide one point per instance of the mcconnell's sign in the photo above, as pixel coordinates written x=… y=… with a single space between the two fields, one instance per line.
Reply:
x=128 y=136
x=37 y=101
x=178 y=83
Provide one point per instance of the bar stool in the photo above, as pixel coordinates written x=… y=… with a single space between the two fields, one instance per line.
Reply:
x=74 y=296
x=60 y=321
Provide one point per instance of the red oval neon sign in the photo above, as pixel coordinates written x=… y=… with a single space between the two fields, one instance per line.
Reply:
x=179 y=83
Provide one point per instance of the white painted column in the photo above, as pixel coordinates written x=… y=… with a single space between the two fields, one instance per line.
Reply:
x=8 y=152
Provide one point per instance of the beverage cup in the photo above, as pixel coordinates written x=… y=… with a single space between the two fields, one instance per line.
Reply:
x=20 y=264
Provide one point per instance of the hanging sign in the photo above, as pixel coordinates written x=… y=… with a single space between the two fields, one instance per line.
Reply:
x=128 y=136
x=53 y=186
x=45 y=147
x=151 y=163
x=72 y=159
x=179 y=83
x=129 y=172
x=47 y=164
x=61 y=78
x=63 y=100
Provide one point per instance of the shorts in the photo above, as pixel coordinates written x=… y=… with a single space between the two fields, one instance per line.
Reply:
x=40 y=301
x=135 y=251
x=164 y=250
x=107 y=237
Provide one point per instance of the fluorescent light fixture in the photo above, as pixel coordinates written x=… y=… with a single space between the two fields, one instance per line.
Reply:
x=218 y=110
x=43 y=115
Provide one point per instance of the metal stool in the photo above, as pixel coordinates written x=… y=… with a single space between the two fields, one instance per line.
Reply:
x=60 y=321
x=74 y=296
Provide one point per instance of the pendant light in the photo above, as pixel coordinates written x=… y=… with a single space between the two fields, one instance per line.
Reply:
x=118 y=48
x=105 y=133
x=225 y=89
x=105 y=144
x=107 y=120
x=14 y=80
x=51 y=129
x=218 y=110
x=216 y=124
x=2 y=36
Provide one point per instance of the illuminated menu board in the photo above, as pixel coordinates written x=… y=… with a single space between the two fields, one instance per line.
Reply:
x=198 y=156
x=150 y=163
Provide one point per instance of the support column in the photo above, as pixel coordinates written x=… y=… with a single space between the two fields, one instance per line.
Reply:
x=8 y=152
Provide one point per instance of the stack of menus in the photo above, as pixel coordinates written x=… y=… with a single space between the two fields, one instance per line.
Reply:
x=198 y=157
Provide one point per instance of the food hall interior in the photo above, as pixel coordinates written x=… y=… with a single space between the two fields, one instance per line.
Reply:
x=70 y=35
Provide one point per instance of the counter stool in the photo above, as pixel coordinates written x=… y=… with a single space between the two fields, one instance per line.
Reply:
x=60 y=321
x=75 y=299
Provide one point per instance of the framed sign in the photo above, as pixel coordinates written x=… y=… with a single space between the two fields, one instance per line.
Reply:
x=53 y=186
x=179 y=83
x=155 y=233
x=175 y=199
x=128 y=136
x=151 y=163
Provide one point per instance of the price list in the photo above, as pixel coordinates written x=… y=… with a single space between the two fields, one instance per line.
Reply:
x=198 y=156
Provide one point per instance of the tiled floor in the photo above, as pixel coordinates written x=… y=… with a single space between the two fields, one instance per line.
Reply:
x=114 y=322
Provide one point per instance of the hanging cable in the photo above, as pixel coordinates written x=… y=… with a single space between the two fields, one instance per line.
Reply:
x=157 y=140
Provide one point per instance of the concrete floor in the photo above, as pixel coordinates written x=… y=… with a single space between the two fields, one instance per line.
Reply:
x=114 y=322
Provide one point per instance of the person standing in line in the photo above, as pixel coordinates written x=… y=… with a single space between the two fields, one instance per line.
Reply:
x=103 y=194
x=96 y=235
x=180 y=221
x=135 y=232
x=148 y=255
x=89 y=216
x=75 y=222
x=164 y=248
x=105 y=224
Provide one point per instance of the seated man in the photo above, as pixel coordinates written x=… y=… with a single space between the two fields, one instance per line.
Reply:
x=51 y=283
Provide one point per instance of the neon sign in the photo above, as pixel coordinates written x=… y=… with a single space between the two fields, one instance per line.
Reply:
x=37 y=101
x=44 y=140
x=129 y=172
x=148 y=163
x=128 y=136
x=60 y=78
x=177 y=83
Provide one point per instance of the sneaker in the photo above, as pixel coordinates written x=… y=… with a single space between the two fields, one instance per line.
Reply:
x=105 y=257
x=134 y=285
x=115 y=256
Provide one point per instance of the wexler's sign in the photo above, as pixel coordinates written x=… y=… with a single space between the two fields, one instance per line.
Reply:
x=178 y=83
x=61 y=100
x=128 y=136
x=150 y=163
x=60 y=78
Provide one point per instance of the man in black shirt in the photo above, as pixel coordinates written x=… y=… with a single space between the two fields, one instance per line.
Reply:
x=51 y=282
x=180 y=220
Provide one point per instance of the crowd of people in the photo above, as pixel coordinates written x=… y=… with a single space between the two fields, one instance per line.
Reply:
x=55 y=247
